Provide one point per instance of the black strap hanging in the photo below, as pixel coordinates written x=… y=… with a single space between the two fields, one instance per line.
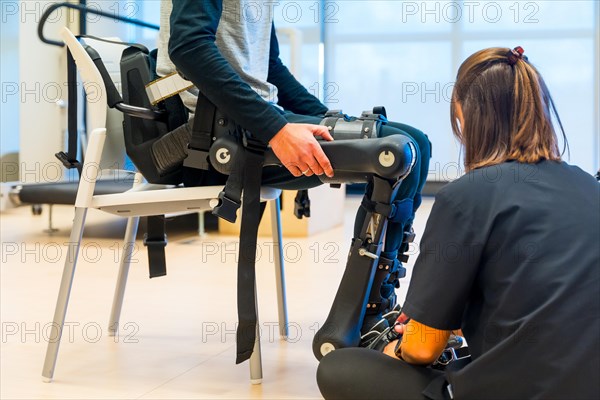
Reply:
x=155 y=239
x=69 y=159
x=251 y=215
x=230 y=199
x=202 y=133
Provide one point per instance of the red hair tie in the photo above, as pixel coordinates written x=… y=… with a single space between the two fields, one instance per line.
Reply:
x=515 y=55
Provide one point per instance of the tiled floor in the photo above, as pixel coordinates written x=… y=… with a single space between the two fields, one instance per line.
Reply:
x=177 y=338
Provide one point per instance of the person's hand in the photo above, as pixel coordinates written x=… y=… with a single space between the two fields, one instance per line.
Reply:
x=298 y=150
x=400 y=324
x=399 y=328
x=389 y=349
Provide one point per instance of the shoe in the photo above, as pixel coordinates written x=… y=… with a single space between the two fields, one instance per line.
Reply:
x=390 y=308
x=378 y=340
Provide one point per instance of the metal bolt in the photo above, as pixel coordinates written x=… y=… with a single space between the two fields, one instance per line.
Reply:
x=367 y=130
x=387 y=267
x=363 y=252
x=221 y=121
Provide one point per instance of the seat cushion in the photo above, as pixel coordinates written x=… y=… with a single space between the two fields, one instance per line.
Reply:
x=66 y=192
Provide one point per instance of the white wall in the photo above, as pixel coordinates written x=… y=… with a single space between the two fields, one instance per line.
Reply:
x=34 y=80
x=42 y=84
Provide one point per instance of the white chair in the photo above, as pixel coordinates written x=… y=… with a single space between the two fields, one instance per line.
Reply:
x=142 y=200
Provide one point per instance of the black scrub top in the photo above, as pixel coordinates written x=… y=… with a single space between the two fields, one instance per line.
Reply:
x=511 y=254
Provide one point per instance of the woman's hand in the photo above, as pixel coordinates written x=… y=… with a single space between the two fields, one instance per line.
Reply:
x=390 y=349
x=298 y=150
x=400 y=325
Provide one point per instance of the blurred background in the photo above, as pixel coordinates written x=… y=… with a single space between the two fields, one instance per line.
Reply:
x=353 y=55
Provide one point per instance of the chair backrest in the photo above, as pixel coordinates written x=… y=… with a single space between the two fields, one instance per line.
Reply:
x=113 y=155
x=130 y=134
x=97 y=113
x=92 y=81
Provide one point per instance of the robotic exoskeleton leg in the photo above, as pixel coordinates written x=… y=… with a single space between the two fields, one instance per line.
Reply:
x=342 y=327
x=357 y=155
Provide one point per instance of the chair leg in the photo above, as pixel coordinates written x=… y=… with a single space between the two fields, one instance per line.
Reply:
x=128 y=247
x=279 y=267
x=256 y=373
x=63 y=294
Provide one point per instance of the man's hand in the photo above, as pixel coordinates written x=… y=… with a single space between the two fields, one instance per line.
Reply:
x=296 y=147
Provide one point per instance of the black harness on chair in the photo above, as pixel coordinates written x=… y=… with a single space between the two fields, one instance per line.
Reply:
x=155 y=239
x=153 y=122
x=246 y=177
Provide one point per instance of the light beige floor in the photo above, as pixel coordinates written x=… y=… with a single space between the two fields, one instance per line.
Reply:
x=177 y=338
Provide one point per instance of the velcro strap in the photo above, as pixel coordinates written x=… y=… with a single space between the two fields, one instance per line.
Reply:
x=156 y=240
x=167 y=86
x=251 y=215
x=403 y=210
x=386 y=210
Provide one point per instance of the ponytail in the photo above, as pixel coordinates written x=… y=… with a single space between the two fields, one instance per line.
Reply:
x=507 y=110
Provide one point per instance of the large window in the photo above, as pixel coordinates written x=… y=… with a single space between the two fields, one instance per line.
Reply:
x=405 y=54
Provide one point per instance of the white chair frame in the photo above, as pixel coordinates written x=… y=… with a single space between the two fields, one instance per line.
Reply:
x=142 y=200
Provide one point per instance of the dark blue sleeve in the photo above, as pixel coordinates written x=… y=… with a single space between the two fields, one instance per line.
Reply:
x=292 y=95
x=193 y=50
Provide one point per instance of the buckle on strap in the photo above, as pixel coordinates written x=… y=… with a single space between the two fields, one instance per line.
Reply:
x=302 y=204
x=409 y=236
x=227 y=208
x=254 y=145
x=156 y=243
x=451 y=354
x=197 y=159
x=66 y=162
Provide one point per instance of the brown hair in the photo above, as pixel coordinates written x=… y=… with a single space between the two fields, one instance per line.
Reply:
x=507 y=110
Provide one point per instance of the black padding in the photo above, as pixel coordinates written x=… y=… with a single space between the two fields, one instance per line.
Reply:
x=66 y=192
x=170 y=150
x=354 y=160
x=140 y=134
